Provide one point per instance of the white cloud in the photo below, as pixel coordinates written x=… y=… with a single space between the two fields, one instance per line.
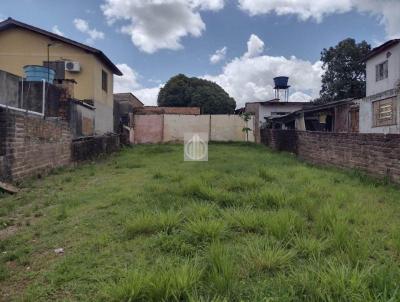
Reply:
x=159 y=24
x=128 y=82
x=386 y=10
x=218 y=56
x=300 y=97
x=57 y=31
x=148 y=95
x=250 y=79
x=83 y=26
x=255 y=46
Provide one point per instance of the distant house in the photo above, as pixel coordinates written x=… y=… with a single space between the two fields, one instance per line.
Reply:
x=380 y=109
x=263 y=111
x=124 y=106
x=339 y=116
x=92 y=71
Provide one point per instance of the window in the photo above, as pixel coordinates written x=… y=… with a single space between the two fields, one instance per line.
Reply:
x=382 y=71
x=104 y=80
x=384 y=112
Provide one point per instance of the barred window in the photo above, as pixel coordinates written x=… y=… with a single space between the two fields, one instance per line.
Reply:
x=385 y=112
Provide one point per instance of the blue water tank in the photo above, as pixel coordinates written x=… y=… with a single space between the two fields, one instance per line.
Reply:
x=281 y=82
x=37 y=73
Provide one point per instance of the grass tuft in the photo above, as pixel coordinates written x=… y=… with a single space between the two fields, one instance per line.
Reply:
x=151 y=223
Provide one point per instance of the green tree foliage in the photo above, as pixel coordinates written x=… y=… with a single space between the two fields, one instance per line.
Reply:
x=345 y=72
x=181 y=91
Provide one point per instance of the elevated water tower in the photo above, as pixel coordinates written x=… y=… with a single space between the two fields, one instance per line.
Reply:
x=282 y=88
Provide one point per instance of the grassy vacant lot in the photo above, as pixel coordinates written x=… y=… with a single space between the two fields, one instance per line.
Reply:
x=249 y=225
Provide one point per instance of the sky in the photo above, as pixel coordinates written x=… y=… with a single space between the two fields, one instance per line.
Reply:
x=239 y=44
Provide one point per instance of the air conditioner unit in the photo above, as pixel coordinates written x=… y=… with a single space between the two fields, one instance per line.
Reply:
x=72 y=66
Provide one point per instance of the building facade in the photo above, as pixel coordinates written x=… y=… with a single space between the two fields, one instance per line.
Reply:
x=380 y=109
x=22 y=44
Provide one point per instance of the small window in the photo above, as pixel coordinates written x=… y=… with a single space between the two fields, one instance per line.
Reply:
x=104 y=80
x=382 y=71
x=384 y=112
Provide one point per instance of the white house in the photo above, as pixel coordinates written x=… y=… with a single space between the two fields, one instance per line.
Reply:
x=273 y=108
x=380 y=109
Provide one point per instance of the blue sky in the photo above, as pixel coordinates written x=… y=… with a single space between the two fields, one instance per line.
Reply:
x=258 y=39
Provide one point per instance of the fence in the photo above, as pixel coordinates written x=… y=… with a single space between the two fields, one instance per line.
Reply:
x=30 y=97
x=172 y=127
x=376 y=154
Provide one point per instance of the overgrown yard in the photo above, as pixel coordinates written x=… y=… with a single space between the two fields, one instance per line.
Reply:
x=249 y=225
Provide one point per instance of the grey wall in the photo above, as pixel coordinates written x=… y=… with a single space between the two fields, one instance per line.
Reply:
x=9 y=89
x=81 y=120
x=366 y=114
x=104 y=118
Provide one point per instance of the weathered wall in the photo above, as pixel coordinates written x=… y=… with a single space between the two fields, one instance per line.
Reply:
x=230 y=128
x=148 y=129
x=81 y=119
x=31 y=145
x=172 y=127
x=175 y=126
x=376 y=154
x=104 y=122
x=91 y=147
x=9 y=89
x=366 y=113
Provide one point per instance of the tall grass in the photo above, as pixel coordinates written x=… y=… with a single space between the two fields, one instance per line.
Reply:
x=249 y=225
x=169 y=282
x=151 y=223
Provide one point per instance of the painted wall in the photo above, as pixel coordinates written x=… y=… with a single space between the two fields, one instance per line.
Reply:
x=148 y=129
x=172 y=127
x=176 y=125
x=374 y=87
x=366 y=116
x=230 y=128
x=14 y=55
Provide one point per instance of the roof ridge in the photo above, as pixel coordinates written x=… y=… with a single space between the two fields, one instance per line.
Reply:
x=10 y=21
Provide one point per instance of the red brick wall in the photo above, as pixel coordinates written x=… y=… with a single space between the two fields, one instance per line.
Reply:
x=30 y=145
x=376 y=154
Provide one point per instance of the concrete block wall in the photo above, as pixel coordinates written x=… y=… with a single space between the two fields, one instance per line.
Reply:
x=175 y=126
x=164 y=128
x=230 y=128
x=375 y=154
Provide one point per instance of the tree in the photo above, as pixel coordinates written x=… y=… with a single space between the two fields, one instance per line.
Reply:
x=181 y=91
x=345 y=72
x=246 y=116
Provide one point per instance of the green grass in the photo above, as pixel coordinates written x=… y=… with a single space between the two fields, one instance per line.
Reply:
x=248 y=225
